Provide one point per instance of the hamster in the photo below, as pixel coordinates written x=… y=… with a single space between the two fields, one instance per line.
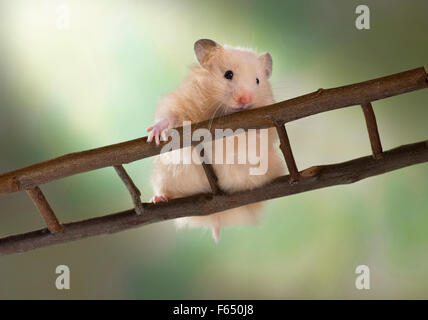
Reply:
x=227 y=79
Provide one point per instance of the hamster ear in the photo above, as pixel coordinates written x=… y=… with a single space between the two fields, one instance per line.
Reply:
x=266 y=60
x=204 y=50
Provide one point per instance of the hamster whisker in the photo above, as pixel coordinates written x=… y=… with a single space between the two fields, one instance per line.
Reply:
x=213 y=115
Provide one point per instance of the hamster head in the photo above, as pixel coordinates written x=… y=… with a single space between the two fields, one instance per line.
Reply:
x=237 y=77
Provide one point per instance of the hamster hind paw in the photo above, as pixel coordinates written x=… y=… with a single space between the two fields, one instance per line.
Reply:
x=161 y=198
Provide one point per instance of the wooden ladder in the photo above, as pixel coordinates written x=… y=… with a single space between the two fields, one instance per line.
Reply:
x=276 y=115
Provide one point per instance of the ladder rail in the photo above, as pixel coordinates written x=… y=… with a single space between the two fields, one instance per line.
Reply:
x=276 y=115
x=285 y=111
x=203 y=204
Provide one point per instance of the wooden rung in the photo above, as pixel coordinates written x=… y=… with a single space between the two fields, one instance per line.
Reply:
x=372 y=130
x=132 y=188
x=211 y=176
x=286 y=151
x=45 y=210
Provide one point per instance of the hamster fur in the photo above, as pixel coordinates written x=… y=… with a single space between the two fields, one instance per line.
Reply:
x=207 y=92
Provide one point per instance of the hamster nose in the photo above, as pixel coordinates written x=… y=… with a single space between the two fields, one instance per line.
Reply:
x=244 y=99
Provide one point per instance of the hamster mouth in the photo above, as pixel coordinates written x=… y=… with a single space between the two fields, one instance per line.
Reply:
x=239 y=109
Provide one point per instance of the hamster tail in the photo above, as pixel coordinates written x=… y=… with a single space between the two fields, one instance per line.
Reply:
x=245 y=215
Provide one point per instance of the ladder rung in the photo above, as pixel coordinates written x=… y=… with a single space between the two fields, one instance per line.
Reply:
x=211 y=176
x=372 y=130
x=132 y=188
x=45 y=210
x=286 y=151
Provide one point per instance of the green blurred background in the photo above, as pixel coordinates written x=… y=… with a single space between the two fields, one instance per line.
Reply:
x=97 y=83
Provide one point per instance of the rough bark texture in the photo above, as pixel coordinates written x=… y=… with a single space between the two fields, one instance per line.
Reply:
x=372 y=130
x=285 y=111
x=31 y=177
x=132 y=188
x=45 y=210
x=203 y=204
x=285 y=147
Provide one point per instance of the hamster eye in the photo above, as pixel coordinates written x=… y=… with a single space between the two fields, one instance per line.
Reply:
x=257 y=80
x=228 y=74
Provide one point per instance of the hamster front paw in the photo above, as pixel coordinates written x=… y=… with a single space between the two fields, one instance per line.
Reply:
x=157 y=131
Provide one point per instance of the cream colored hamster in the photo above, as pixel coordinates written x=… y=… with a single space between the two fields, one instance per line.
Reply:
x=227 y=79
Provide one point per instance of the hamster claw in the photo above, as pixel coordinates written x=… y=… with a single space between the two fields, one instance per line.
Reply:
x=161 y=198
